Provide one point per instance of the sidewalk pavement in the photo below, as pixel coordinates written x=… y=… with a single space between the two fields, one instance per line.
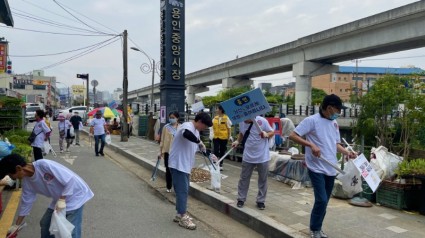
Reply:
x=287 y=212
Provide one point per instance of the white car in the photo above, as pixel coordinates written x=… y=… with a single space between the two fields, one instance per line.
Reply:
x=80 y=109
x=30 y=113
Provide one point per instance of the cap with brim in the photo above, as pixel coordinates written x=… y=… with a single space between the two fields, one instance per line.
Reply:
x=333 y=100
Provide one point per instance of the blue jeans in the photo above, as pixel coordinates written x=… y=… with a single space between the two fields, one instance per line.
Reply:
x=74 y=216
x=181 y=188
x=96 y=143
x=322 y=185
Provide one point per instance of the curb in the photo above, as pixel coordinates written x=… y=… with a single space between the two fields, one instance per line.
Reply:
x=249 y=217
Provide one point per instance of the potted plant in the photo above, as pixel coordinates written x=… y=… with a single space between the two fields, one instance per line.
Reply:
x=414 y=169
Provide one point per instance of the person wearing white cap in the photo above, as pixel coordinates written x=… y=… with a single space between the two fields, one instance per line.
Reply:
x=63 y=125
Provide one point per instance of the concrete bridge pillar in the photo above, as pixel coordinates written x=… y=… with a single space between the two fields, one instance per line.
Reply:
x=303 y=71
x=192 y=91
x=232 y=82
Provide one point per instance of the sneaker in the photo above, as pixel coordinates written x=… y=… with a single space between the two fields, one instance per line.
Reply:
x=77 y=144
x=177 y=218
x=315 y=234
x=240 y=204
x=61 y=151
x=67 y=150
x=323 y=234
x=168 y=190
x=187 y=223
x=102 y=154
x=97 y=154
x=261 y=205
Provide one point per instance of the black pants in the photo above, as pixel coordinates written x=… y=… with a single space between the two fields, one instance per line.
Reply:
x=220 y=147
x=38 y=154
x=168 y=178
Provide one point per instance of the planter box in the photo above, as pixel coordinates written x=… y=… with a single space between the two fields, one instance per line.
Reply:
x=399 y=196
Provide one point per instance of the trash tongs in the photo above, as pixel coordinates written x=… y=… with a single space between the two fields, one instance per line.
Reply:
x=155 y=170
x=15 y=233
x=204 y=154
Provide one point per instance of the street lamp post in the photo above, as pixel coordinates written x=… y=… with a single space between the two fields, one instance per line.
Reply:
x=148 y=68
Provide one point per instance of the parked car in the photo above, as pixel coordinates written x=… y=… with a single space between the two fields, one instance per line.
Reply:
x=80 y=109
x=30 y=113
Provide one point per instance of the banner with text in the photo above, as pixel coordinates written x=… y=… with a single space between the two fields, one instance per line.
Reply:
x=367 y=172
x=246 y=106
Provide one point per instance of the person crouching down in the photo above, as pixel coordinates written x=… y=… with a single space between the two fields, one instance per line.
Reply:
x=51 y=179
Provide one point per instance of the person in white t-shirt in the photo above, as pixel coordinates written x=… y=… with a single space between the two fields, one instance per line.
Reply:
x=42 y=132
x=181 y=161
x=255 y=154
x=98 y=127
x=68 y=191
x=322 y=139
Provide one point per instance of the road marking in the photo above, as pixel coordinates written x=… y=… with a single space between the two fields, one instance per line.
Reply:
x=9 y=212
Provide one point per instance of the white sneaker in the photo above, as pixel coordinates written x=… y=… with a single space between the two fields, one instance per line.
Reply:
x=168 y=190
x=187 y=223
x=67 y=150
x=61 y=151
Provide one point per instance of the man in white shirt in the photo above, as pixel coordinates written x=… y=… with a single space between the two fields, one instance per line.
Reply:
x=322 y=139
x=181 y=161
x=255 y=154
x=98 y=127
x=68 y=191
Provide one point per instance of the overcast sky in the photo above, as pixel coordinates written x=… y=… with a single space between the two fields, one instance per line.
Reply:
x=216 y=31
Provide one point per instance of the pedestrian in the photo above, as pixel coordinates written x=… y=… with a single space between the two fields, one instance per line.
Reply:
x=63 y=126
x=42 y=132
x=220 y=133
x=255 y=154
x=76 y=121
x=98 y=127
x=69 y=136
x=322 y=139
x=67 y=190
x=181 y=161
x=168 y=132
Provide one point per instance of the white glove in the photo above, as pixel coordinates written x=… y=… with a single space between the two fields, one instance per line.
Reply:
x=235 y=144
x=213 y=158
x=12 y=229
x=264 y=134
x=9 y=181
x=60 y=204
x=231 y=139
x=202 y=147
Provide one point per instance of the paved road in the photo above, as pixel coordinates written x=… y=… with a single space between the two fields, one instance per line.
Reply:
x=123 y=205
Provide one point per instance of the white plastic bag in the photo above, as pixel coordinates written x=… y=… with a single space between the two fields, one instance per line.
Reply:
x=71 y=132
x=60 y=227
x=108 y=139
x=385 y=163
x=351 y=180
x=46 y=147
x=215 y=179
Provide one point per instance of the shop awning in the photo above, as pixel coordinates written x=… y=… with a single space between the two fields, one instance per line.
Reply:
x=5 y=14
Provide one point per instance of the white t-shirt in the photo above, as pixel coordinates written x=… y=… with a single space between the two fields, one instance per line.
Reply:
x=53 y=180
x=182 y=152
x=99 y=126
x=256 y=149
x=324 y=133
x=40 y=129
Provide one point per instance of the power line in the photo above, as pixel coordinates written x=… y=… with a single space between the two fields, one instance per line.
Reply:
x=33 y=18
x=407 y=57
x=54 y=33
x=64 y=52
x=79 y=54
x=77 y=17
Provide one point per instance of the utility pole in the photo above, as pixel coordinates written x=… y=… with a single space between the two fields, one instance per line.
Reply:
x=124 y=133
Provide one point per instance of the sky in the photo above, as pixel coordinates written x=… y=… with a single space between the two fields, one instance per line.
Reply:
x=216 y=31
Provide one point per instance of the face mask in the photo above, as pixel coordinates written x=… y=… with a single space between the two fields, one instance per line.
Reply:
x=334 y=116
x=172 y=120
